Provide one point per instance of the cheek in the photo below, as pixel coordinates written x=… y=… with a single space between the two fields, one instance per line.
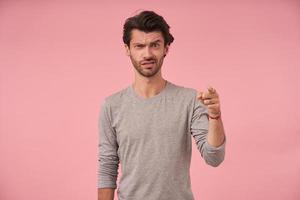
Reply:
x=136 y=59
x=158 y=54
x=134 y=56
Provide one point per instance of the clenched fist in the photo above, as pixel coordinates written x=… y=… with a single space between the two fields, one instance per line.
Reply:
x=210 y=98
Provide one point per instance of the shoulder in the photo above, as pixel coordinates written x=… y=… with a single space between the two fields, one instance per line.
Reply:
x=183 y=91
x=114 y=99
x=188 y=95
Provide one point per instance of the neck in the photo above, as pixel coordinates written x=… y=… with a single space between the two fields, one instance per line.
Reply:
x=149 y=87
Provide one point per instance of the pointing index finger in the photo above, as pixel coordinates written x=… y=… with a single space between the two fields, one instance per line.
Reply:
x=211 y=89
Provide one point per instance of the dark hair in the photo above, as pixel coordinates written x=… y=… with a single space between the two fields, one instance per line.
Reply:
x=147 y=21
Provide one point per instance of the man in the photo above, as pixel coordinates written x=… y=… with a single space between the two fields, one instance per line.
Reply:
x=147 y=126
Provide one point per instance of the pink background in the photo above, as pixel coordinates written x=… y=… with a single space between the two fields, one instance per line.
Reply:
x=59 y=59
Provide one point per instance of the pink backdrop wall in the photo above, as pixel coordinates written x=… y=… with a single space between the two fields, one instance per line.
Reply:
x=59 y=59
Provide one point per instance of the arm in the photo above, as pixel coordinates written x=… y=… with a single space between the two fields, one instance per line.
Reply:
x=108 y=160
x=208 y=134
x=106 y=193
x=216 y=134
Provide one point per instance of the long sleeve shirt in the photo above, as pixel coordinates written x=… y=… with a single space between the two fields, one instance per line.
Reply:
x=151 y=139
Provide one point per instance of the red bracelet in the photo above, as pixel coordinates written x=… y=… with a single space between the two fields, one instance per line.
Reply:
x=217 y=117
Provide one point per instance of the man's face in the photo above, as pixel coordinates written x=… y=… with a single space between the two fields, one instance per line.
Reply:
x=147 y=52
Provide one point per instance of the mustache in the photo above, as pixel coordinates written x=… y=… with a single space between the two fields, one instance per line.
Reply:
x=149 y=59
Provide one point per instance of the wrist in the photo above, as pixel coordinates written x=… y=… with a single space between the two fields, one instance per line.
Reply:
x=216 y=116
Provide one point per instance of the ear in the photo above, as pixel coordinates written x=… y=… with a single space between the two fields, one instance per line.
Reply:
x=167 y=49
x=127 y=50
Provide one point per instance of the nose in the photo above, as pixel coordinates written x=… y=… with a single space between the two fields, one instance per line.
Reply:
x=147 y=54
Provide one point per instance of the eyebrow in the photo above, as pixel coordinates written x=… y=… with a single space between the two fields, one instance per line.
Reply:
x=156 y=41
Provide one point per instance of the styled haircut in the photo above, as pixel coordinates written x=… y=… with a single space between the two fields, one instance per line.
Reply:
x=147 y=21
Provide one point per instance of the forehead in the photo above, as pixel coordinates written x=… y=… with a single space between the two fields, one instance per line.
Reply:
x=138 y=36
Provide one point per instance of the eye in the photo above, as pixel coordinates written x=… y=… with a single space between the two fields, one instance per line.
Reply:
x=155 y=45
x=139 y=46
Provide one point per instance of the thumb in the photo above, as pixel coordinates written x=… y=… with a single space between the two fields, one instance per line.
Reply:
x=199 y=95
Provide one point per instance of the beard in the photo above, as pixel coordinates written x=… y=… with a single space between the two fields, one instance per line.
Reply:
x=147 y=71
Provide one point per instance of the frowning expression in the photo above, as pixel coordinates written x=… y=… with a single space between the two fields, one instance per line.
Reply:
x=147 y=52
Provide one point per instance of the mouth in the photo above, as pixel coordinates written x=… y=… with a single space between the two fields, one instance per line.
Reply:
x=148 y=63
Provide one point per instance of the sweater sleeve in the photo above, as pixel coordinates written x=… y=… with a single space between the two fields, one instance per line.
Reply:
x=108 y=160
x=213 y=156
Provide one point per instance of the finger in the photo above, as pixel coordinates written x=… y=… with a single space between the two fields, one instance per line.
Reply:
x=207 y=95
x=211 y=89
x=199 y=95
x=214 y=106
x=211 y=101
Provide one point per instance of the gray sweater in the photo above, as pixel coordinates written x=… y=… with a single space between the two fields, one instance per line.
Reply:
x=151 y=139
